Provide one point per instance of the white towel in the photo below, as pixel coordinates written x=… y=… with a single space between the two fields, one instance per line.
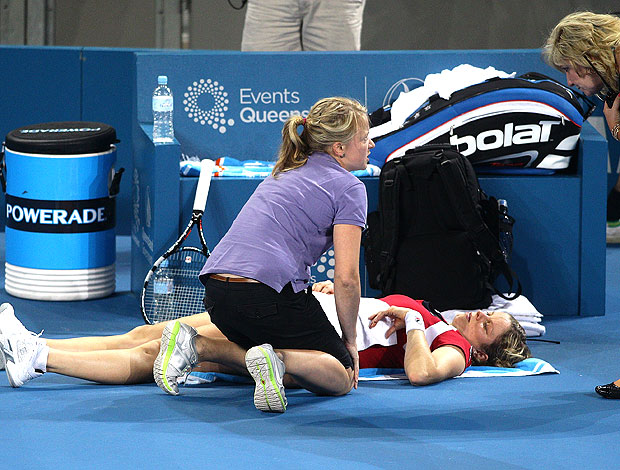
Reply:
x=366 y=336
x=444 y=84
x=533 y=329
x=521 y=308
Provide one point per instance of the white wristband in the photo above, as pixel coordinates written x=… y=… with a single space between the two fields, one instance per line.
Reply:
x=414 y=321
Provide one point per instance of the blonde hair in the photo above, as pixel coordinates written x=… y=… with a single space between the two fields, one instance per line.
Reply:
x=508 y=349
x=582 y=34
x=330 y=120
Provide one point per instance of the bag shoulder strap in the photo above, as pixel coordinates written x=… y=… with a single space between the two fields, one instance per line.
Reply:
x=390 y=221
x=454 y=183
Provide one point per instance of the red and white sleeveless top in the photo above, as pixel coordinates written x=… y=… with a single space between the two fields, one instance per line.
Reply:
x=438 y=333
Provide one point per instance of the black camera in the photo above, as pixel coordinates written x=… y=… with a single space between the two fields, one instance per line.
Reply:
x=610 y=97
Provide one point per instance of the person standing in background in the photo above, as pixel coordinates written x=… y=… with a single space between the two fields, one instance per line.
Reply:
x=303 y=25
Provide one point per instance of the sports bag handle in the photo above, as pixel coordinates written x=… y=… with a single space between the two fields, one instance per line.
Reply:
x=590 y=105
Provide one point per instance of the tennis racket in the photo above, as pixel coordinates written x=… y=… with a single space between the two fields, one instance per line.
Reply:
x=171 y=288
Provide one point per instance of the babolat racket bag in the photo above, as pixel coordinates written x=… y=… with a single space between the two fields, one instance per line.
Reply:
x=528 y=122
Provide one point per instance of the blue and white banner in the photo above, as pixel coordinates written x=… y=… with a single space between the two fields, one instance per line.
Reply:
x=234 y=105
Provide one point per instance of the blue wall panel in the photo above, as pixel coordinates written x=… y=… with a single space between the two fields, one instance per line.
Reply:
x=155 y=201
x=234 y=104
x=38 y=85
x=546 y=238
x=107 y=96
x=593 y=211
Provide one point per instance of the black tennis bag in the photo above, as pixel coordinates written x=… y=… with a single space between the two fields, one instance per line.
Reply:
x=529 y=122
x=435 y=236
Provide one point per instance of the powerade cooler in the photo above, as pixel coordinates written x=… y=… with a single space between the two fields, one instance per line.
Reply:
x=60 y=210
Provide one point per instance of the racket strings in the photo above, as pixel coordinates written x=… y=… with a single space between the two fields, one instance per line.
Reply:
x=175 y=290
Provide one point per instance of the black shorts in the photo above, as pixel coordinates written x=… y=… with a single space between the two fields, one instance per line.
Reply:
x=250 y=314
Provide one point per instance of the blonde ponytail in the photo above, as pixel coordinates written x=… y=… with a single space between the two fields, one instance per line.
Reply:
x=293 y=151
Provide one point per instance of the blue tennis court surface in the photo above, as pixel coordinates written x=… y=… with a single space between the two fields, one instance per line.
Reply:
x=537 y=422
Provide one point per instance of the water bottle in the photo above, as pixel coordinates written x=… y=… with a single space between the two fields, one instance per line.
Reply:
x=505 y=228
x=163 y=131
x=163 y=288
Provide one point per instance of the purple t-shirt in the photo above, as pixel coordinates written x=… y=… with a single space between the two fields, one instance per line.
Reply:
x=287 y=224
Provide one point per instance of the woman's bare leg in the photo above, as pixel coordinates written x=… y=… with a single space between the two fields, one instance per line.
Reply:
x=221 y=351
x=136 y=337
x=118 y=366
x=315 y=371
x=121 y=366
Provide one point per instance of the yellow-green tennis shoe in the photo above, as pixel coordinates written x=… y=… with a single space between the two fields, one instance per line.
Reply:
x=267 y=370
x=177 y=355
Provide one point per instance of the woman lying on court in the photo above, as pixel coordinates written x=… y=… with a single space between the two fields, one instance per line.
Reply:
x=410 y=337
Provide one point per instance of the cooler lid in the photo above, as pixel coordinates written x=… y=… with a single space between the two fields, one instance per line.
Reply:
x=62 y=138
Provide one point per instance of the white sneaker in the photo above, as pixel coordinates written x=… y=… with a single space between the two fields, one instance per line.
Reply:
x=267 y=370
x=177 y=355
x=613 y=231
x=20 y=353
x=10 y=325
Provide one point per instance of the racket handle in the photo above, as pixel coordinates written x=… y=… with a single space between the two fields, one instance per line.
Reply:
x=204 y=182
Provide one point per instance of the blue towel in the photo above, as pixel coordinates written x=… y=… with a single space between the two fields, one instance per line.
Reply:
x=531 y=366
x=231 y=167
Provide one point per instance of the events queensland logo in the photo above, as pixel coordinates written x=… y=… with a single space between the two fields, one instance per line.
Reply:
x=206 y=102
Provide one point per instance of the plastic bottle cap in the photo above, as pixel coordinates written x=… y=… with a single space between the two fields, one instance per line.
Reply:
x=162 y=80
